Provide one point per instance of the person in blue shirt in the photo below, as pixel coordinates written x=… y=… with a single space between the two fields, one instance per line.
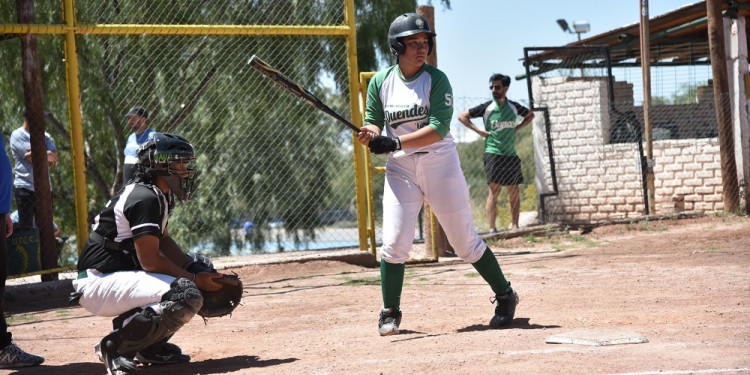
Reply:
x=10 y=354
x=20 y=145
x=248 y=227
x=137 y=117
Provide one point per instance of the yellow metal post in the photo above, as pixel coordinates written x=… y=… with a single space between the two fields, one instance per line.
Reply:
x=364 y=77
x=76 y=130
x=351 y=46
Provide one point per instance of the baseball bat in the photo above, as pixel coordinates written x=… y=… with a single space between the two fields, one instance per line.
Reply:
x=297 y=90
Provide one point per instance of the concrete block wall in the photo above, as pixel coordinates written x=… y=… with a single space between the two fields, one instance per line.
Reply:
x=601 y=181
x=689 y=171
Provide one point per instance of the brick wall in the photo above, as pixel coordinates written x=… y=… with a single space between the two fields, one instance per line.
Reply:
x=602 y=181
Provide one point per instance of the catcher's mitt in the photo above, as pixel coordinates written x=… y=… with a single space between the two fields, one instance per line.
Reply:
x=223 y=301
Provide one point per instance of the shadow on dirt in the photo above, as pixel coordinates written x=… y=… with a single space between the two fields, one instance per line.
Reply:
x=218 y=366
x=517 y=323
x=210 y=366
x=70 y=368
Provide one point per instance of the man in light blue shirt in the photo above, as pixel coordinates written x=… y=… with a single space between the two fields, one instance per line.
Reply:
x=137 y=117
x=20 y=144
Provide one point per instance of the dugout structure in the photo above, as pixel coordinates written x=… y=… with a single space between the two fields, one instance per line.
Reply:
x=265 y=157
x=590 y=138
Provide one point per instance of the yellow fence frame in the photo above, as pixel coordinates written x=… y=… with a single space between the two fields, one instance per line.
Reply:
x=70 y=28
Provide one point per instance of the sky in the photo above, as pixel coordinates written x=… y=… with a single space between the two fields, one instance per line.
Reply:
x=476 y=38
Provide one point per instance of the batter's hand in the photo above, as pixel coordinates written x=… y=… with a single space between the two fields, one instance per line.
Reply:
x=384 y=145
x=365 y=135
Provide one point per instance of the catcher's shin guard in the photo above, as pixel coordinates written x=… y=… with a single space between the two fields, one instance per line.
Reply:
x=178 y=306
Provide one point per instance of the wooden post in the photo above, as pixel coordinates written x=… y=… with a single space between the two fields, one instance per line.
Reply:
x=440 y=246
x=34 y=102
x=730 y=187
x=646 y=71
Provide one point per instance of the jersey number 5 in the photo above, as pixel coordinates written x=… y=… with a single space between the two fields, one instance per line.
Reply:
x=449 y=100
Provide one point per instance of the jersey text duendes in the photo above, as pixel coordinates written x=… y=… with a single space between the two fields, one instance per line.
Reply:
x=398 y=117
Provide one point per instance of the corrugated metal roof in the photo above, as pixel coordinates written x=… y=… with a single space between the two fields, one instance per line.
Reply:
x=679 y=37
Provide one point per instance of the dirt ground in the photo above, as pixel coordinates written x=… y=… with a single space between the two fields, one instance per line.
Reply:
x=682 y=285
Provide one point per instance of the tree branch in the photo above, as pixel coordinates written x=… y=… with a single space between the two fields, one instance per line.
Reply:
x=91 y=167
x=183 y=112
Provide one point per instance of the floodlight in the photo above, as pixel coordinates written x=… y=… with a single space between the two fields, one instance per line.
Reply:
x=581 y=26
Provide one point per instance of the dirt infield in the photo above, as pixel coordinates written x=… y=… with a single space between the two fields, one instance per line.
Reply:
x=682 y=285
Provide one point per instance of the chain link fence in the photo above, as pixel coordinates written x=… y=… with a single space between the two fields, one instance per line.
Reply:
x=275 y=174
x=471 y=151
x=278 y=175
x=591 y=146
x=471 y=148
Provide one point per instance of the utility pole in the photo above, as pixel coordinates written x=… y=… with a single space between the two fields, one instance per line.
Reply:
x=34 y=103
x=433 y=230
x=730 y=186
x=646 y=70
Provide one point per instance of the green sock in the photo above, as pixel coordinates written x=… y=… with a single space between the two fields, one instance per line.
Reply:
x=488 y=267
x=391 y=282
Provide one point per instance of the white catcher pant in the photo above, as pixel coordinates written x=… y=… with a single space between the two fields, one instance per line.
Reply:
x=438 y=177
x=112 y=294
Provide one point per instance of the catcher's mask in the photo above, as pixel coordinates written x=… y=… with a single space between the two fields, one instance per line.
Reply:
x=405 y=25
x=170 y=157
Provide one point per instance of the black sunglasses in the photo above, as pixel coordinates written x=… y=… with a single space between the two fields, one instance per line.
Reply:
x=496 y=87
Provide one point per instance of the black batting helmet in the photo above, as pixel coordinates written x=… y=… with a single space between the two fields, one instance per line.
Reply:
x=159 y=156
x=405 y=25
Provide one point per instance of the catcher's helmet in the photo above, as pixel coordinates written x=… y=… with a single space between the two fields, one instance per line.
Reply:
x=405 y=25
x=162 y=155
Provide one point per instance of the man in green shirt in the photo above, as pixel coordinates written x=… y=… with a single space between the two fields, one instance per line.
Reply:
x=501 y=164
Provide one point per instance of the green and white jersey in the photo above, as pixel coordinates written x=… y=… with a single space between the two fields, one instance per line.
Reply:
x=402 y=106
x=501 y=122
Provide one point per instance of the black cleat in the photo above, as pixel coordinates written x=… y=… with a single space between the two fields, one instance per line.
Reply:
x=13 y=357
x=506 y=308
x=390 y=318
x=161 y=353
x=114 y=362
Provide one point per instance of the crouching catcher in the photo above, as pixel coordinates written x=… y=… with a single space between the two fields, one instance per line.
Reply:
x=132 y=270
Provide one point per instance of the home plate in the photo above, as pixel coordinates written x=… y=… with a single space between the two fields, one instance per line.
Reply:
x=597 y=337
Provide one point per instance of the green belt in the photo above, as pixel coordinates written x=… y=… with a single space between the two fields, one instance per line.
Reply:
x=82 y=274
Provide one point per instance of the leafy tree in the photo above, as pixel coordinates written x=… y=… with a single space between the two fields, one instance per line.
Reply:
x=373 y=18
x=262 y=154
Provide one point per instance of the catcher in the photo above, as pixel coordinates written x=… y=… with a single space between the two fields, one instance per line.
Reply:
x=131 y=269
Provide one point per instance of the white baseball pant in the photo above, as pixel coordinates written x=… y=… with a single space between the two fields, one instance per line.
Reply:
x=437 y=176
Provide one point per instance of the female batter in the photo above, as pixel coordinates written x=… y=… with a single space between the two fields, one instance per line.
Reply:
x=413 y=102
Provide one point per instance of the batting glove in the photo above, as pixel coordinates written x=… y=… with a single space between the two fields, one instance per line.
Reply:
x=383 y=145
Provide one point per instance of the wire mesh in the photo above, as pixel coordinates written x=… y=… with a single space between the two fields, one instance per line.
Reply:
x=590 y=139
x=201 y=12
x=471 y=149
x=265 y=157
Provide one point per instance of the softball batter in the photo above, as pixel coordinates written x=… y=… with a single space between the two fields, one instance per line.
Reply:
x=413 y=102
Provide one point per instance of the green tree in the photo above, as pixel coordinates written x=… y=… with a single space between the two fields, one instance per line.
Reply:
x=262 y=154
x=373 y=18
